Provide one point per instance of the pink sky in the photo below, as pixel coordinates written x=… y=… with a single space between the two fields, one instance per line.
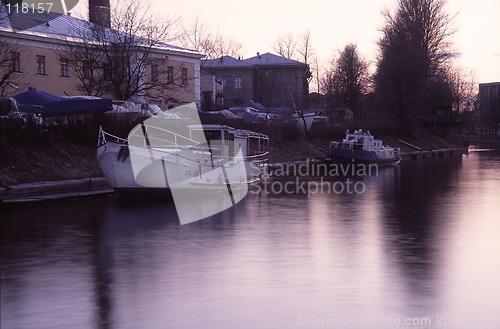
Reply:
x=333 y=23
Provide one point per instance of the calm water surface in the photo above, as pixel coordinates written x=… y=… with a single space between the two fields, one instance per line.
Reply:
x=418 y=249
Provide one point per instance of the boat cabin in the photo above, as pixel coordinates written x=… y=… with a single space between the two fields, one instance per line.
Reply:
x=226 y=141
x=358 y=140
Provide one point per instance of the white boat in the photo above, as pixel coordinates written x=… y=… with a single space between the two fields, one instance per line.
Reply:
x=305 y=120
x=197 y=157
x=361 y=146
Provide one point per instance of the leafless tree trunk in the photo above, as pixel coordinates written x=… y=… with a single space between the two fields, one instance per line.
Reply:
x=304 y=48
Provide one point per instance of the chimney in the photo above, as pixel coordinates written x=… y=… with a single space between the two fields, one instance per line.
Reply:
x=100 y=12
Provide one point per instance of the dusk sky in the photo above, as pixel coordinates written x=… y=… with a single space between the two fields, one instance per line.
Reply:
x=334 y=23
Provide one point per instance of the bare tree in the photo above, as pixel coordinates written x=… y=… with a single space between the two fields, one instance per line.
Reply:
x=327 y=83
x=414 y=47
x=296 y=48
x=285 y=46
x=351 y=78
x=316 y=78
x=129 y=51
x=85 y=59
x=304 y=48
x=9 y=65
x=199 y=36
x=124 y=61
x=463 y=87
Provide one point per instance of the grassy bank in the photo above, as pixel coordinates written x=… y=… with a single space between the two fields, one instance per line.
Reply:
x=65 y=160
x=61 y=161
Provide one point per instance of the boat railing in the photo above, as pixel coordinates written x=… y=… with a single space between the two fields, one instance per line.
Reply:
x=178 y=139
x=254 y=158
x=104 y=136
x=162 y=144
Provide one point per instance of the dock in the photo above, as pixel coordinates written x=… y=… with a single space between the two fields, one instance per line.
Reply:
x=433 y=153
x=41 y=192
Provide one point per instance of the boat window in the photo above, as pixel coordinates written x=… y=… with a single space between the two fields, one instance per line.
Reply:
x=253 y=146
x=209 y=135
x=212 y=134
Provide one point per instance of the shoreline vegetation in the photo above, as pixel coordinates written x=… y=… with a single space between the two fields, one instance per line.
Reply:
x=31 y=155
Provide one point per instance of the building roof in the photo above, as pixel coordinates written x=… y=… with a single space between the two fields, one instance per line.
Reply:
x=226 y=62
x=59 y=26
x=271 y=59
x=266 y=59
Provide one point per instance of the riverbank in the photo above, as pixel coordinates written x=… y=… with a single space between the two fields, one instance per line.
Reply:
x=67 y=161
x=60 y=161
x=67 y=171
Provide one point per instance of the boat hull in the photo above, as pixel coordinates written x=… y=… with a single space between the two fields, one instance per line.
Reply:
x=135 y=169
x=361 y=156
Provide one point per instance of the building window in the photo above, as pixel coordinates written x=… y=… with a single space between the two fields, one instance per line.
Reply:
x=184 y=76
x=237 y=83
x=40 y=61
x=64 y=67
x=154 y=73
x=86 y=71
x=170 y=73
x=16 y=62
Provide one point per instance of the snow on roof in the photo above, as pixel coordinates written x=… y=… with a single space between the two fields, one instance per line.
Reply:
x=264 y=59
x=225 y=61
x=271 y=59
x=58 y=26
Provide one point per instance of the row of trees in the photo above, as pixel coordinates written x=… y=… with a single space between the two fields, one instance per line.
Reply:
x=415 y=76
x=414 y=71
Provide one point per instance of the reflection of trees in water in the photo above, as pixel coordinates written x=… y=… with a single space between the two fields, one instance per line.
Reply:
x=413 y=224
x=115 y=246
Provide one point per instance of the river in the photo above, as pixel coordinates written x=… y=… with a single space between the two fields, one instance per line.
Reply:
x=416 y=246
